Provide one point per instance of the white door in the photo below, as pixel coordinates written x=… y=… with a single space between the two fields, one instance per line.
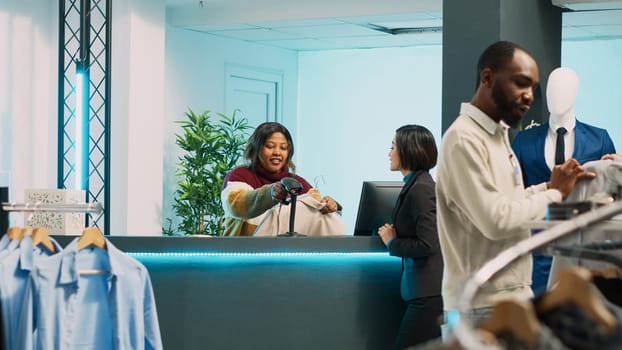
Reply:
x=253 y=93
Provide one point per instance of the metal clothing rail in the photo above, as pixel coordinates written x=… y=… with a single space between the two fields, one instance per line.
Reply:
x=91 y=208
x=464 y=330
x=585 y=252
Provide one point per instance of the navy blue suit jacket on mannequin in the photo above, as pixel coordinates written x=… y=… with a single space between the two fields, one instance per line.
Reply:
x=591 y=143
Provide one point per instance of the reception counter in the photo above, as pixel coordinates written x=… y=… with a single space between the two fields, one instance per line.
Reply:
x=269 y=292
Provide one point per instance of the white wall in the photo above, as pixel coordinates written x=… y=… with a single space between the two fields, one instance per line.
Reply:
x=28 y=93
x=195 y=78
x=350 y=103
x=137 y=117
x=28 y=106
x=598 y=64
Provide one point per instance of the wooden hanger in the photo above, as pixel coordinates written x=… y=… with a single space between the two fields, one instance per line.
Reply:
x=40 y=236
x=451 y=345
x=14 y=233
x=574 y=286
x=608 y=272
x=26 y=231
x=515 y=317
x=92 y=236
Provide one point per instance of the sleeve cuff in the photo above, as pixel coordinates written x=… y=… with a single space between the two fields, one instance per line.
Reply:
x=390 y=242
x=554 y=195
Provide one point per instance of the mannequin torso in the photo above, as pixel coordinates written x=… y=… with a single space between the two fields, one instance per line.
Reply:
x=535 y=147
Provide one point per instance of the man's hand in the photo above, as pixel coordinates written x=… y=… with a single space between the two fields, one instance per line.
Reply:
x=565 y=176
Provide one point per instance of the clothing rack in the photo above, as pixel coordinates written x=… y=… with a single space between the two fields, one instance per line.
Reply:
x=464 y=330
x=592 y=251
x=90 y=208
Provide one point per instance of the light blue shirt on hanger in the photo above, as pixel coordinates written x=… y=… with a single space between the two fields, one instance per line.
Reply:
x=4 y=242
x=11 y=246
x=117 y=306
x=15 y=269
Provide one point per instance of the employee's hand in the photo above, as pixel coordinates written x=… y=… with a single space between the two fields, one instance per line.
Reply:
x=387 y=233
x=565 y=176
x=278 y=192
x=330 y=205
x=612 y=156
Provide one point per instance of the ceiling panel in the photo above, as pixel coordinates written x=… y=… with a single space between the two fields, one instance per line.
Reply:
x=219 y=28
x=305 y=44
x=592 y=18
x=332 y=31
x=320 y=31
x=300 y=23
x=400 y=17
x=257 y=34
x=575 y=33
x=389 y=41
x=605 y=30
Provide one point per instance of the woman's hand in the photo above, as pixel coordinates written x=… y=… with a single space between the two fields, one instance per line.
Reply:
x=278 y=192
x=387 y=233
x=330 y=205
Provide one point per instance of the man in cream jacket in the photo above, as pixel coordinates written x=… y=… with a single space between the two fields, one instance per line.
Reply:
x=482 y=205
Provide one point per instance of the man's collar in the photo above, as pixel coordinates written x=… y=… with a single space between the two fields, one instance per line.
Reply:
x=481 y=118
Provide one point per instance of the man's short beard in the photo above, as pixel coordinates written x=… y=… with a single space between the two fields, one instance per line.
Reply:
x=505 y=107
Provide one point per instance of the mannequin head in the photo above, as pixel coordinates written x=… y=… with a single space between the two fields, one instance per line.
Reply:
x=561 y=93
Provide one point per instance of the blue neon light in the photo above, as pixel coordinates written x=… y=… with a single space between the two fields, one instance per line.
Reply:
x=80 y=164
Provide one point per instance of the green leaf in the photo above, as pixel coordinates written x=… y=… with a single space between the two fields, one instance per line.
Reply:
x=213 y=146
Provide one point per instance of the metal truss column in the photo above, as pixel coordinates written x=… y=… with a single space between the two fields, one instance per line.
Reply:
x=84 y=102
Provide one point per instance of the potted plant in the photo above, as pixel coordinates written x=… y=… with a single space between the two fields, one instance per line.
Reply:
x=212 y=147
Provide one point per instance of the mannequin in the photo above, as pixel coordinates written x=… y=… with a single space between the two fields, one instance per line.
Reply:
x=561 y=94
x=535 y=147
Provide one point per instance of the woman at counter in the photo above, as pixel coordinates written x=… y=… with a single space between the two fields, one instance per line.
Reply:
x=250 y=191
x=413 y=236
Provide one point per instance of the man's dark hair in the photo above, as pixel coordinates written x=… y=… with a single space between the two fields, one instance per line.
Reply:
x=496 y=56
x=258 y=139
x=415 y=147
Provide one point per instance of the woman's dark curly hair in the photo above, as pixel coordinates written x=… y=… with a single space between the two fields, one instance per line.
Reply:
x=257 y=140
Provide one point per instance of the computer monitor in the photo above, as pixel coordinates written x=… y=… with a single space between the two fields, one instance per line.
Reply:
x=376 y=206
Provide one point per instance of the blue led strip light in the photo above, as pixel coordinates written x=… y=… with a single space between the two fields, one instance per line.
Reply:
x=257 y=254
